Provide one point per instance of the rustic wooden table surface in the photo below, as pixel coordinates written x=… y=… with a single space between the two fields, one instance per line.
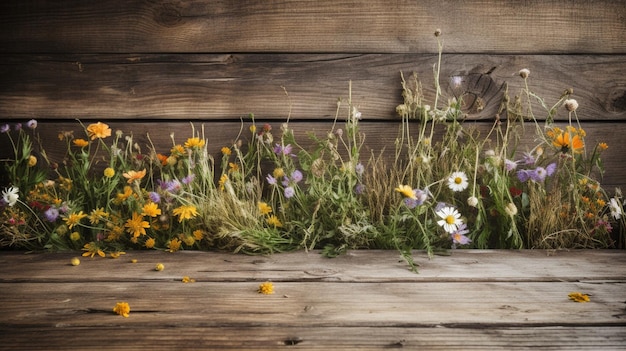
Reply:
x=474 y=299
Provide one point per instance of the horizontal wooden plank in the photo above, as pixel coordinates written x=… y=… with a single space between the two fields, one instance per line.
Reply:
x=313 y=304
x=228 y=86
x=306 y=338
x=365 y=266
x=379 y=137
x=320 y=26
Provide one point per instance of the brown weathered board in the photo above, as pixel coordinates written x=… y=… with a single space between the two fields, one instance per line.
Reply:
x=365 y=299
x=122 y=26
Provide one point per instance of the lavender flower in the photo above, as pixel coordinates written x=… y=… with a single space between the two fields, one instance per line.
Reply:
x=359 y=189
x=154 y=197
x=458 y=236
x=359 y=169
x=509 y=165
x=296 y=176
x=51 y=214
x=188 y=179
x=32 y=124
x=271 y=180
x=289 y=192
x=5 y=128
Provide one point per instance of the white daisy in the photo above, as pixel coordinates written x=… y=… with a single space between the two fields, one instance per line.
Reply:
x=10 y=195
x=458 y=181
x=616 y=210
x=450 y=219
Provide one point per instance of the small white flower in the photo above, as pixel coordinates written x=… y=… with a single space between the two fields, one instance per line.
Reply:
x=616 y=210
x=10 y=195
x=472 y=201
x=458 y=181
x=450 y=219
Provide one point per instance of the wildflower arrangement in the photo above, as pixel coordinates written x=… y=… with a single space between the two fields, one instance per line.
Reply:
x=450 y=184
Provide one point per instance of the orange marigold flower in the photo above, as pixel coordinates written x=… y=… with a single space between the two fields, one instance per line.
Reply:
x=566 y=142
x=162 y=158
x=134 y=175
x=98 y=131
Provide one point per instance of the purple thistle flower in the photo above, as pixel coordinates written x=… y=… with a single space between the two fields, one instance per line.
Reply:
x=509 y=165
x=51 y=214
x=528 y=159
x=188 y=179
x=289 y=192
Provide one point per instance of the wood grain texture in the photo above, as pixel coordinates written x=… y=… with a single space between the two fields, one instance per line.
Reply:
x=213 y=86
x=321 y=26
x=472 y=299
x=379 y=136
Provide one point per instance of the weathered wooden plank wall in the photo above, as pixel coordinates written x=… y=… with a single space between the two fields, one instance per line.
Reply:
x=216 y=61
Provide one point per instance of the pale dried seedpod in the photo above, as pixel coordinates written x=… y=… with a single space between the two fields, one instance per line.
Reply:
x=571 y=105
x=524 y=73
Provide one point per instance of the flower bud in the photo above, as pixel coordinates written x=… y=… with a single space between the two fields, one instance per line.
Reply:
x=524 y=73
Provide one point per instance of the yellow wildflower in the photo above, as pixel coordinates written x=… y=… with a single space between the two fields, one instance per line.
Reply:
x=253 y=129
x=177 y=150
x=578 y=297
x=187 y=279
x=222 y=181
x=189 y=240
x=406 y=191
x=97 y=215
x=92 y=249
x=264 y=208
x=194 y=142
x=32 y=161
x=136 y=225
x=266 y=288
x=98 y=130
x=226 y=151
x=75 y=236
x=151 y=209
x=109 y=172
x=233 y=167
x=122 y=308
x=150 y=242
x=185 y=212
x=134 y=175
x=278 y=173
x=174 y=245
x=117 y=254
x=80 y=142
x=74 y=219
x=603 y=146
x=198 y=234
x=274 y=221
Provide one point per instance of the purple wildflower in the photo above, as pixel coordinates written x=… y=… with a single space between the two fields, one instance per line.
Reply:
x=523 y=175
x=188 y=179
x=32 y=124
x=18 y=127
x=154 y=197
x=270 y=180
x=289 y=192
x=528 y=159
x=551 y=168
x=283 y=150
x=51 y=214
x=359 y=169
x=538 y=174
x=296 y=176
x=359 y=189
x=509 y=165
x=5 y=128
x=420 y=198
x=458 y=236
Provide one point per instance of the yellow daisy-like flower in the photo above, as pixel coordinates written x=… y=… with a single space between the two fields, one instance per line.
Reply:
x=266 y=288
x=150 y=242
x=198 y=234
x=173 y=245
x=185 y=212
x=74 y=219
x=603 y=146
x=98 y=131
x=80 y=142
x=406 y=191
x=136 y=225
x=151 y=209
x=578 y=297
x=92 y=249
x=75 y=236
x=109 y=172
x=122 y=308
x=97 y=215
x=264 y=208
x=177 y=150
x=194 y=143
x=274 y=221
x=233 y=167
x=189 y=240
x=134 y=175
x=226 y=151
x=253 y=129
x=32 y=161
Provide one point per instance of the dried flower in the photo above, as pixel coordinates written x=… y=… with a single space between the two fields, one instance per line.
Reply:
x=571 y=105
x=578 y=297
x=524 y=73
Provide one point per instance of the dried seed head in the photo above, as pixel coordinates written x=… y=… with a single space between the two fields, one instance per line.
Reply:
x=437 y=32
x=571 y=105
x=524 y=73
